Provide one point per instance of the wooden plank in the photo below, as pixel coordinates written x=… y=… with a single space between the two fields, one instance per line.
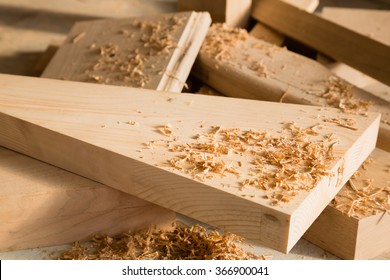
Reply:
x=363 y=53
x=42 y=205
x=263 y=32
x=155 y=52
x=364 y=236
x=108 y=134
x=247 y=67
x=234 y=13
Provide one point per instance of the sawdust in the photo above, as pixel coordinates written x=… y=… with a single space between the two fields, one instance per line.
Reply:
x=181 y=243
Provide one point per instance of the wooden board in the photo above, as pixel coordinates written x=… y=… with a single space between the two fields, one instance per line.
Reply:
x=155 y=52
x=108 y=134
x=270 y=35
x=234 y=13
x=42 y=205
x=361 y=237
x=363 y=53
x=247 y=67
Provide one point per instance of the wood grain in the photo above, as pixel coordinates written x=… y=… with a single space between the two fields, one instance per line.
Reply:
x=356 y=237
x=234 y=13
x=286 y=77
x=42 y=205
x=96 y=142
x=154 y=52
x=363 y=53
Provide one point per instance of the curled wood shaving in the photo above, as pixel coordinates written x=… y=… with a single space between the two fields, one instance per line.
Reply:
x=347 y=123
x=339 y=95
x=182 y=243
x=281 y=165
x=134 y=65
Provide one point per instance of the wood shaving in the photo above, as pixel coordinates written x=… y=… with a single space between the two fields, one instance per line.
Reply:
x=78 y=37
x=347 y=123
x=166 y=129
x=281 y=165
x=181 y=243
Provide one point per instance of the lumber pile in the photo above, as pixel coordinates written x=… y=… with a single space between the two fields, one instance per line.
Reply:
x=133 y=151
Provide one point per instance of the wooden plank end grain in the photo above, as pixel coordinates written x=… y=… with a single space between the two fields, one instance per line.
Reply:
x=108 y=135
x=359 y=51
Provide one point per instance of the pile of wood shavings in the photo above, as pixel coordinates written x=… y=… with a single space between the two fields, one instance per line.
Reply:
x=182 y=243
x=339 y=95
x=133 y=66
x=282 y=166
x=363 y=197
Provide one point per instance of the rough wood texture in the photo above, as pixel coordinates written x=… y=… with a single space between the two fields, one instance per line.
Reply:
x=247 y=67
x=356 y=237
x=155 y=52
x=98 y=142
x=270 y=35
x=363 y=53
x=234 y=13
x=42 y=205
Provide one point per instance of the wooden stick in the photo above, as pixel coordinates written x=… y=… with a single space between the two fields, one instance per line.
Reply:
x=108 y=134
x=367 y=55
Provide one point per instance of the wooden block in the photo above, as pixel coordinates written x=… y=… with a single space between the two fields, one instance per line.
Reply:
x=155 y=52
x=42 y=205
x=234 y=12
x=263 y=32
x=360 y=52
x=364 y=236
x=107 y=134
x=247 y=67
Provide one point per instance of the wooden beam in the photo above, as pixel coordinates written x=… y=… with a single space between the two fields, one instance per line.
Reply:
x=247 y=67
x=107 y=134
x=154 y=52
x=363 y=53
x=366 y=235
x=234 y=13
x=263 y=32
x=42 y=205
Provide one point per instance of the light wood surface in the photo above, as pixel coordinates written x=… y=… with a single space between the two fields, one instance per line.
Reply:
x=97 y=142
x=286 y=76
x=154 y=52
x=234 y=13
x=363 y=53
x=356 y=237
x=270 y=35
x=42 y=205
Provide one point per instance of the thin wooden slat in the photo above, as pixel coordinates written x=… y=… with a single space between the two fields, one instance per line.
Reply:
x=154 y=52
x=105 y=132
x=363 y=53
x=247 y=67
x=42 y=205
x=361 y=237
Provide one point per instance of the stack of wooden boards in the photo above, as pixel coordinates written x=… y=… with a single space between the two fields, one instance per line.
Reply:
x=142 y=142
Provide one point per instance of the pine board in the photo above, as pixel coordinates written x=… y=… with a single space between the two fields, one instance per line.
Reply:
x=97 y=142
x=361 y=52
x=42 y=205
x=361 y=237
x=255 y=69
x=154 y=52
